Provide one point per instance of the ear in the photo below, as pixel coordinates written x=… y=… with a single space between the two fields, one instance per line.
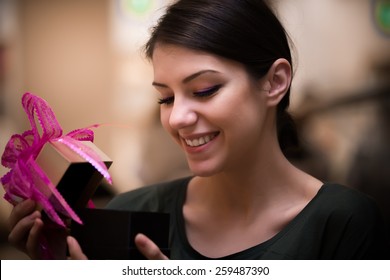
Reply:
x=278 y=80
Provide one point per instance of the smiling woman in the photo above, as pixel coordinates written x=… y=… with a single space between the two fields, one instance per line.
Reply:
x=223 y=72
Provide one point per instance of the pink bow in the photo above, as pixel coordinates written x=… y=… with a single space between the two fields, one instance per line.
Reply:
x=26 y=179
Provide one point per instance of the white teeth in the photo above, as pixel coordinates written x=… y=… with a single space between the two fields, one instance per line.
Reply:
x=200 y=141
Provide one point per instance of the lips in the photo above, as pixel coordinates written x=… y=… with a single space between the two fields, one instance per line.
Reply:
x=200 y=141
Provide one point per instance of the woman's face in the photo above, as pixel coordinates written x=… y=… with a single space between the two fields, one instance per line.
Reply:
x=211 y=107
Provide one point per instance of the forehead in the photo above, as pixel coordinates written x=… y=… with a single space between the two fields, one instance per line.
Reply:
x=181 y=61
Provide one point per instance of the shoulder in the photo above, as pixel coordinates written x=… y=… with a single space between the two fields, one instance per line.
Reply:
x=352 y=221
x=342 y=207
x=345 y=199
x=155 y=197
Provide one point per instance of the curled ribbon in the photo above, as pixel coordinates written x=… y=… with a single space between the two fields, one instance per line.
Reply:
x=26 y=179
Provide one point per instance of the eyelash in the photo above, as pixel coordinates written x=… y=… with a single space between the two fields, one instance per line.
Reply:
x=166 y=101
x=203 y=93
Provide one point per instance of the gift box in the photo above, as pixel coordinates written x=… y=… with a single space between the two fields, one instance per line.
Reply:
x=109 y=234
x=58 y=171
x=74 y=177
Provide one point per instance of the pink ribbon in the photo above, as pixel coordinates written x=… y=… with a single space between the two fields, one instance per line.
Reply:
x=26 y=179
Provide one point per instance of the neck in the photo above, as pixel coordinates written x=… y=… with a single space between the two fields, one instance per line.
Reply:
x=249 y=187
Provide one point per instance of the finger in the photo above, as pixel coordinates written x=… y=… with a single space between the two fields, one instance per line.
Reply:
x=20 y=232
x=148 y=248
x=21 y=210
x=75 y=251
x=32 y=244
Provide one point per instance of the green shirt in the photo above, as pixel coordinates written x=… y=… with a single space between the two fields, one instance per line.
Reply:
x=338 y=223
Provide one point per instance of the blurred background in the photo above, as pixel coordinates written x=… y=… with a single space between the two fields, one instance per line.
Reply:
x=84 y=58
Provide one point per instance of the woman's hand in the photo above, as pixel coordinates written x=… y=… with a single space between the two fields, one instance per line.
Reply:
x=148 y=248
x=29 y=234
x=25 y=227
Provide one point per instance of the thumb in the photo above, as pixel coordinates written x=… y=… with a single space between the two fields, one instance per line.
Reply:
x=75 y=251
x=148 y=248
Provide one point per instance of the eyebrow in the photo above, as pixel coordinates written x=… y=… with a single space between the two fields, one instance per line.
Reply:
x=189 y=78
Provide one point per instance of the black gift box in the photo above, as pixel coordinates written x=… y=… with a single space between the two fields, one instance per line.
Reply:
x=109 y=234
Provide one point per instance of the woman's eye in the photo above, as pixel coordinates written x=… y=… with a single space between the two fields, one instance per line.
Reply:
x=166 y=101
x=208 y=91
x=201 y=93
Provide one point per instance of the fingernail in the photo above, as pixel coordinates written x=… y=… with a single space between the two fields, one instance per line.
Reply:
x=140 y=240
x=70 y=239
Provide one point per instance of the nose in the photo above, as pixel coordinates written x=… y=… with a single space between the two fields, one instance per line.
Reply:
x=183 y=114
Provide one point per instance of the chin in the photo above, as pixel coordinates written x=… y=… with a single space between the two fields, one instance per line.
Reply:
x=203 y=170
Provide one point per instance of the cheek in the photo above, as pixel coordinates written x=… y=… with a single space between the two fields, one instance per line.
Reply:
x=247 y=118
